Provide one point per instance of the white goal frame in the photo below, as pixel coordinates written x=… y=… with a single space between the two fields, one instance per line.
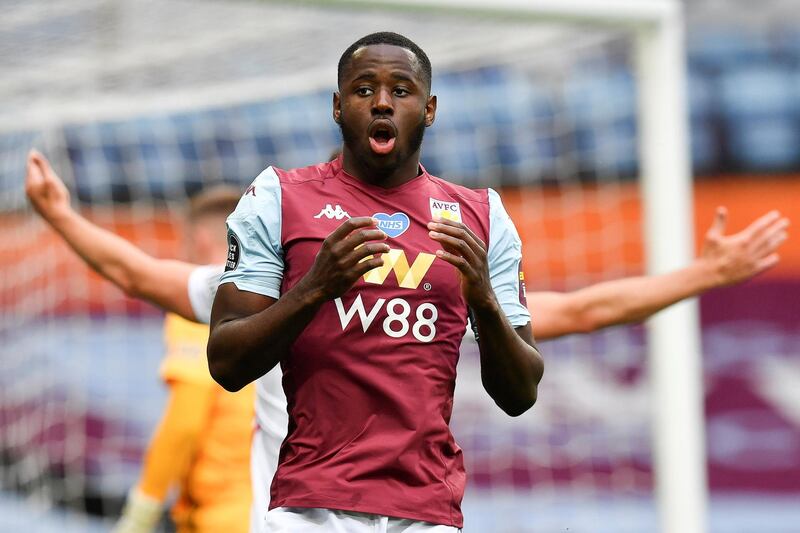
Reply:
x=657 y=30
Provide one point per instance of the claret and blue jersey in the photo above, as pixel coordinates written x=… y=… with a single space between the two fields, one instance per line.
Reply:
x=370 y=381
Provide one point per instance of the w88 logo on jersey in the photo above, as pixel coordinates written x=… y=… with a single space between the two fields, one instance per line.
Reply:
x=400 y=319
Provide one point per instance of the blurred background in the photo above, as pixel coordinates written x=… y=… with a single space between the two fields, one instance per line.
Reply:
x=138 y=104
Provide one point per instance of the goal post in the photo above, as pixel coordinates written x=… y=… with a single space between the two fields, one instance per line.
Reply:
x=674 y=335
x=674 y=347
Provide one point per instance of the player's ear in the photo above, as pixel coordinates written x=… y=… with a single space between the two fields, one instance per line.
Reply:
x=430 y=110
x=337 y=108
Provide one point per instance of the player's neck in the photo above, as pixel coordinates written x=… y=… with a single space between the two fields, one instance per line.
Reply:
x=387 y=178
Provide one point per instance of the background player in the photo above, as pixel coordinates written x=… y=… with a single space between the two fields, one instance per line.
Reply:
x=724 y=260
x=201 y=444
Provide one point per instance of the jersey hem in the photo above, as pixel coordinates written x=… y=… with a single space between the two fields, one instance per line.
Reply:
x=393 y=512
x=519 y=321
x=251 y=287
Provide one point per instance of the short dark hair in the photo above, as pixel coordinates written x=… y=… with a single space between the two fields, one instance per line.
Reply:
x=390 y=38
x=217 y=200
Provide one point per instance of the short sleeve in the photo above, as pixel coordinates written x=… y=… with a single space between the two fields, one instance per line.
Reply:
x=255 y=256
x=505 y=263
x=203 y=283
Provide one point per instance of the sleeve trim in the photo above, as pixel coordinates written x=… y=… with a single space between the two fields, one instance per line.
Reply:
x=251 y=286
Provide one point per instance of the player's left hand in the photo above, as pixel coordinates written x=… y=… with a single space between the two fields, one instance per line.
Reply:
x=467 y=252
x=735 y=258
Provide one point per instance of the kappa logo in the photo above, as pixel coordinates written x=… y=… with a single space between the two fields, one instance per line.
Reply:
x=250 y=190
x=332 y=212
x=392 y=225
x=408 y=277
x=445 y=209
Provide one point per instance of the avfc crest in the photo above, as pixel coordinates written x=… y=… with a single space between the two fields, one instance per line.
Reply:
x=445 y=209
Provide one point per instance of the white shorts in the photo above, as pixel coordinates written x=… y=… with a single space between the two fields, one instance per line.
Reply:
x=302 y=520
x=262 y=469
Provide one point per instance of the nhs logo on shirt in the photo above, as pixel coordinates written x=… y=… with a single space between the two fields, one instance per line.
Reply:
x=392 y=225
x=445 y=209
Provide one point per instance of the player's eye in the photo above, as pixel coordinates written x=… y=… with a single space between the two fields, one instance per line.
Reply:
x=401 y=91
x=364 y=91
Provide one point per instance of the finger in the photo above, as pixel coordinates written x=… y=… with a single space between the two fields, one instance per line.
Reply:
x=40 y=161
x=767 y=263
x=765 y=242
x=33 y=157
x=365 y=266
x=359 y=237
x=363 y=252
x=47 y=171
x=34 y=171
x=457 y=261
x=350 y=225
x=773 y=243
x=455 y=246
x=720 y=221
x=460 y=225
x=760 y=225
x=33 y=177
x=460 y=231
x=46 y=175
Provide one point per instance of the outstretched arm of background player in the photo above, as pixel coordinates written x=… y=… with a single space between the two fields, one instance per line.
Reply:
x=511 y=366
x=251 y=333
x=159 y=281
x=169 y=455
x=725 y=260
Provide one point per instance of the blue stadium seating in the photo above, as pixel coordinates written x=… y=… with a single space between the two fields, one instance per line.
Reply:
x=494 y=126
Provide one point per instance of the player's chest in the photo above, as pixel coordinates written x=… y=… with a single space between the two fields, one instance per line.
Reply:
x=411 y=267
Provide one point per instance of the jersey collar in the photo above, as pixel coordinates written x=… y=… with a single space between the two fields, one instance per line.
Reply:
x=340 y=173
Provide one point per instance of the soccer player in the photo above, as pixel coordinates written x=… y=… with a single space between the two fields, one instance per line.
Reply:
x=188 y=290
x=201 y=444
x=368 y=357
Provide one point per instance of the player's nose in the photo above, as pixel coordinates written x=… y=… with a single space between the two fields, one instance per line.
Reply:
x=382 y=102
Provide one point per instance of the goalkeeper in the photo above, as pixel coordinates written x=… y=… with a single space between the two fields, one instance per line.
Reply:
x=188 y=290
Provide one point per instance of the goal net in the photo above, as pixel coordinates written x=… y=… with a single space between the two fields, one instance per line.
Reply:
x=140 y=104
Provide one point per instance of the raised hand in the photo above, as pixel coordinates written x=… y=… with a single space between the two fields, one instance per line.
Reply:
x=47 y=193
x=735 y=258
x=345 y=256
x=467 y=252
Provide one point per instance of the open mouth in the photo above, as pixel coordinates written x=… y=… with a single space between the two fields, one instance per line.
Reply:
x=381 y=137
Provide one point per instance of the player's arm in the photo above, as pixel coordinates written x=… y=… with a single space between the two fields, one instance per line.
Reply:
x=160 y=281
x=724 y=260
x=169 y=455
x=252 y=332
x=511 y=366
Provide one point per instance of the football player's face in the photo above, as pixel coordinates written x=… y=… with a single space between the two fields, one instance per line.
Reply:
x=383 y=106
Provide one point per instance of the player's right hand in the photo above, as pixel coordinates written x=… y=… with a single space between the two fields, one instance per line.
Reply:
x=47 y=193
x=140 y=514
x=345 y=256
